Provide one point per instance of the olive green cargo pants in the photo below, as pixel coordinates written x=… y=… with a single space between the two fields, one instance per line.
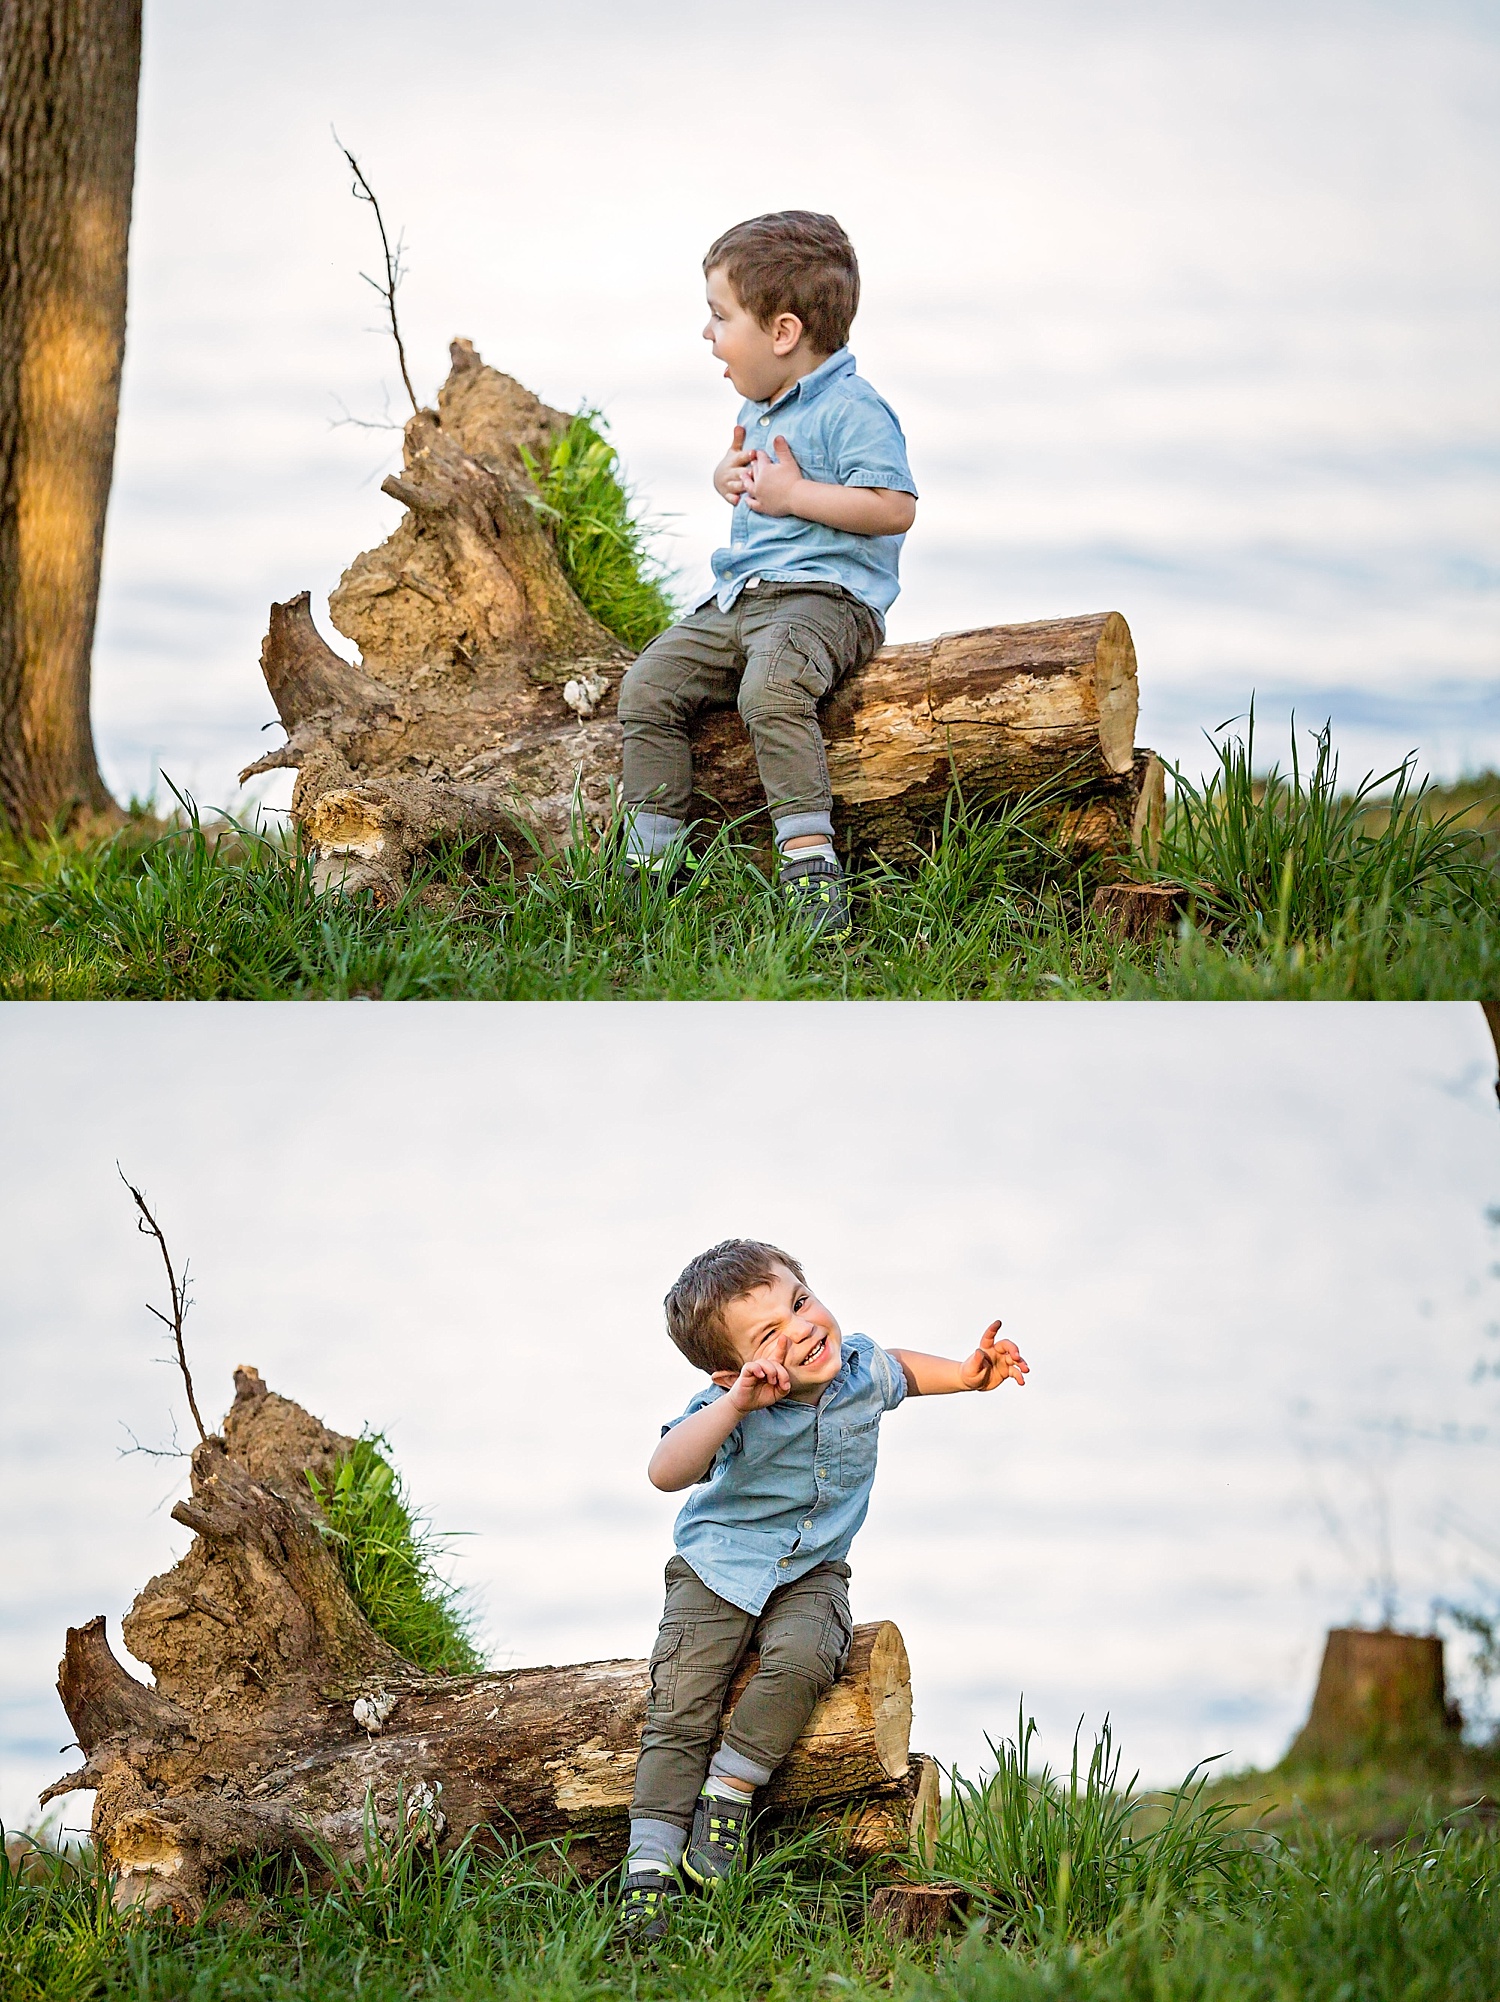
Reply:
x=776 y=652
x=803 y=1633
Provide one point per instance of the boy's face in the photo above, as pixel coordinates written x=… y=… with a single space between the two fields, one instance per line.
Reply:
x=785 y=1308
x=760 y=361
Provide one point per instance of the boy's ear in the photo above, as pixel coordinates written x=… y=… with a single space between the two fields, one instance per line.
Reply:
x=726 y=1379
x=786 y=331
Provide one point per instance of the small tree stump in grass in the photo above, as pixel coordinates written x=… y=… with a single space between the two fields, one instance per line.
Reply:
x=1380 y=1694
x=919 y=1912
x=1139 y=910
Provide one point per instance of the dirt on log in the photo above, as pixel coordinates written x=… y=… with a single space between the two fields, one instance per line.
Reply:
x=483 y=707
x=282 y=1725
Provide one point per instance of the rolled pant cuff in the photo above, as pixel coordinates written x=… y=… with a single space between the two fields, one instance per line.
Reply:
x=729 y=1764
x=790 y=825
x=649 y=834
x=657 y=1841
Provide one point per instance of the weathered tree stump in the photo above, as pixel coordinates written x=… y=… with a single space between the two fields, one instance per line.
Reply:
x=1138 y=911
x=483 y=709
x=918 y=1912
x=281 y=1724
x=1380 y=1695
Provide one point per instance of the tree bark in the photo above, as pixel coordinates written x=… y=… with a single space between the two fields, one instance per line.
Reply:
x=483 y=710
x=69 y=73
x=1380 y=1695
x=280 y=1723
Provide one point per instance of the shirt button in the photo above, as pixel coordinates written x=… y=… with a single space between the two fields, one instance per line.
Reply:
x=808 y=1523
x=822 y=1473
x=783 y=1562
x=765 y=420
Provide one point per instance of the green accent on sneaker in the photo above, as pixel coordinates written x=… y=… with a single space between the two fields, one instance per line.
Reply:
x=717 y=1844
x=814 y=891
x=646 y=1902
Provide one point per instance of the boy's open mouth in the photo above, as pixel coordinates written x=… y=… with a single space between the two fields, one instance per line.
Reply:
x=815 y=1351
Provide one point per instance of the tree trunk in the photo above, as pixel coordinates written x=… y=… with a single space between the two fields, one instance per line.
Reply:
x=1380 y=1696
x=484 y=707
x=70 y=71
x=281 y=1724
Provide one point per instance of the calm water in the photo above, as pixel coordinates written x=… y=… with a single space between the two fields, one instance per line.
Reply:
x=1243 y=1248
x=1187 y=311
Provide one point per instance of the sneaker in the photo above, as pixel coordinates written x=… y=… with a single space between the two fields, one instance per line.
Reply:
x=646 y=1899
x=814 y=891
x=721 y=1830
x=655 y=882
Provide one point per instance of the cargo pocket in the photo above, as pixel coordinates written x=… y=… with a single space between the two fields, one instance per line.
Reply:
x=838 y=1637
x=666 y=1662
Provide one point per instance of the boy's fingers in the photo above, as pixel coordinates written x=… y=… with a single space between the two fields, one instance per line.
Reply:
x=739 y=439
x=784 y=452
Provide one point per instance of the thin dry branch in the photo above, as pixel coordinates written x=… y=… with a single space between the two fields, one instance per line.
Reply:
x=363 y=192
x=147 y=1225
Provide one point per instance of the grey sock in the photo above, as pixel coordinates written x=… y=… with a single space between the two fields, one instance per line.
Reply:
x=789 y=856
x=654 y=1845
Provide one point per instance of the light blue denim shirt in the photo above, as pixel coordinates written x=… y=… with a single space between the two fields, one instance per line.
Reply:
x=790 y=1485
x=842 y=433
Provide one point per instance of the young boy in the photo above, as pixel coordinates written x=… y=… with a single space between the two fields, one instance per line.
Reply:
x=781 y=1450
x=822 y=498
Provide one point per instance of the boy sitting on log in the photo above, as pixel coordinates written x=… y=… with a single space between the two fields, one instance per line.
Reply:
x=781 y=1448
x=800 y=594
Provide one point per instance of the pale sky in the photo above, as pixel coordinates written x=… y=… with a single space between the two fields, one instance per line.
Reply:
x=1188 y=311
x=1244 y=1249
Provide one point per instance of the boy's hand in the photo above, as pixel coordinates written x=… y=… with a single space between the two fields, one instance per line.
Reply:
x=992 y=1362
x=730 y=475
x=770 y=482
x=762 y=1382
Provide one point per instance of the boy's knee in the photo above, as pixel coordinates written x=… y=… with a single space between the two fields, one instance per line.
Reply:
x=644 y=697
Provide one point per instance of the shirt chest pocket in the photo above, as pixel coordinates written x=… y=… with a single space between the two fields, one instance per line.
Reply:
x=858 y=1442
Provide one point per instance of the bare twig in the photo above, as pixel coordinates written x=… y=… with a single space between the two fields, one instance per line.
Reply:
x=147 y=1225
x=172 y=1452
x=363 y=192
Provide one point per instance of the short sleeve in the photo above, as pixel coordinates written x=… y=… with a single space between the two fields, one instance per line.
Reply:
x=888 y=1376
x=869 y=450
x=699 y=1402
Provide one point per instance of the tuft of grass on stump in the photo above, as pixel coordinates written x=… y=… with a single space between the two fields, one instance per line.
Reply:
x=389 y=1557
x=602 y=539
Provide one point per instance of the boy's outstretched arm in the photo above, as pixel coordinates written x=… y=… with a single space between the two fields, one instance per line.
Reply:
x=986 y=1369
x=687 y=1452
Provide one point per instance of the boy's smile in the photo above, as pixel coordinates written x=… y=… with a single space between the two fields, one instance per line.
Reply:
x=786 y=1311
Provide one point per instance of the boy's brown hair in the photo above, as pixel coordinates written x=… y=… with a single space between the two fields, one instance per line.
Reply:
x=706 y=1285
x=794 y=261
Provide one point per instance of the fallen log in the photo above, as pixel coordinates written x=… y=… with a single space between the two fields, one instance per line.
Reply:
x=282 y=1725
x=483 y=707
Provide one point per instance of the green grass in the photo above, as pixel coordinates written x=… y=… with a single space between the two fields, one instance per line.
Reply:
x=602 y=537
x=1285 y=855
x=1053 y=1857
x=389 y=1556
x=1072 y=1901
x=1309 y=897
